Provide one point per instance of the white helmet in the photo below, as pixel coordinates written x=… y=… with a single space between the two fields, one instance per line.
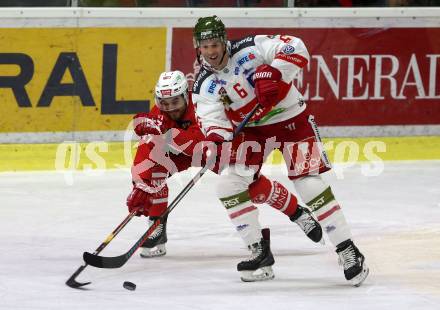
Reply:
x=171 y=84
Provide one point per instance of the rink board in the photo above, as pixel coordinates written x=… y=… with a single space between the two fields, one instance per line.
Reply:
x=75 y=73
x=114 y=155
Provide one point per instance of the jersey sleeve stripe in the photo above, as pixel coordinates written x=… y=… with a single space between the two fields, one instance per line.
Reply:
x=295 y=59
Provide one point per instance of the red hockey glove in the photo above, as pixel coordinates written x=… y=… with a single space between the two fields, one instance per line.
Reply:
x=267 y=88
x=145 y=124
x=138 y=198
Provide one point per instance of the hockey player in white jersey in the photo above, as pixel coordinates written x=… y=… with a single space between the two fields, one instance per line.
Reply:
x=153 y=164
x=237 y=75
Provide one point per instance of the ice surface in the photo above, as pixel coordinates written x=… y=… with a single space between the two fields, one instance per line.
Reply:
x=48 y=219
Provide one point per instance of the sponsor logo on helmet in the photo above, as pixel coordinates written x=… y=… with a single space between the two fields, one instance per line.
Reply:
x=204 y=34
x=288 y=49
x=165 y=92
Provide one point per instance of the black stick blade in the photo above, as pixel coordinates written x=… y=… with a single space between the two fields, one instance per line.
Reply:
x=103 y=261
x=71 y=282
x=74 y=284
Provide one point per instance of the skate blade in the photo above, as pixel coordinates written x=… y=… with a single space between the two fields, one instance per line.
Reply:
x=157 y=251
x=261 y=274
x=360 y=278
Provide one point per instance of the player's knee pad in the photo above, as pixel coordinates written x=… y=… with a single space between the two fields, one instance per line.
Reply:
x=274 y=194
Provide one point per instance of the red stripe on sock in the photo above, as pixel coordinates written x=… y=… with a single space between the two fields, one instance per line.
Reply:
x=293 y=205
x=328 y=213
x=242 y=211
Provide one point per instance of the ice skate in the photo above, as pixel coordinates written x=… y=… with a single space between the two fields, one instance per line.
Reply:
x=154 y=246
x=258 y=266
x=355 y=269
x=305 y=220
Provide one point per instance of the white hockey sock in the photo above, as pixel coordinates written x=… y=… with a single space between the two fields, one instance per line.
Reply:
x=244 y=216
x=320 y=199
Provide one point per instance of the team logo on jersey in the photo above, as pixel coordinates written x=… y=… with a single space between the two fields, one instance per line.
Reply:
x=224 y=98
x=288 y=49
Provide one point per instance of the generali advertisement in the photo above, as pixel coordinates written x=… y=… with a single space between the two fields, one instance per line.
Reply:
x=356 y=76
x=77 y=79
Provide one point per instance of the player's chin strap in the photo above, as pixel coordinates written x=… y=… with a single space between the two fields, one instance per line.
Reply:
x=119 y=261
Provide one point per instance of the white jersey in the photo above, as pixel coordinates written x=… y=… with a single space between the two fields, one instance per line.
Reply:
x=225 y=97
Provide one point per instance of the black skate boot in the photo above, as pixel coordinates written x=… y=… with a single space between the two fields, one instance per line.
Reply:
x=305 y=220
x=155 y=244
x=258 y=266
x=355 y=269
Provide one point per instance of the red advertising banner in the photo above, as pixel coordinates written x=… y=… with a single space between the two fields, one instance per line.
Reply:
x=356 y=76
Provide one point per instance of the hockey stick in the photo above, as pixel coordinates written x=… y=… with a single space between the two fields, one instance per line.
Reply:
x=119 y=261
x=71 y=282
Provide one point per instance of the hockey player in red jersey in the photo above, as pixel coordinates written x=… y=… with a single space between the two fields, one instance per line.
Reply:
x=171 y=141
x=173 y=116
x=237 y=75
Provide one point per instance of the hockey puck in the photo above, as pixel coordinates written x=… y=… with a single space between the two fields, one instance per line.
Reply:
x=129 y=285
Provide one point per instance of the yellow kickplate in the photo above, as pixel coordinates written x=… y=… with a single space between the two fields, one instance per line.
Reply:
x=105 y=155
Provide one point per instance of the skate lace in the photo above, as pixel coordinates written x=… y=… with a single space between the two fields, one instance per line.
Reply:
x=157 y=232
x=347 y=257
x=256 y=251
x=306 y=222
